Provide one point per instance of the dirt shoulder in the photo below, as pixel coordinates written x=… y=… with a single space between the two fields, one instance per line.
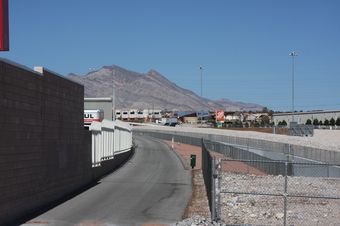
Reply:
x=198 y=204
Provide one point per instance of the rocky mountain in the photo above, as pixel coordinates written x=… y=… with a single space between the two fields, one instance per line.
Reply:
x=150 y=90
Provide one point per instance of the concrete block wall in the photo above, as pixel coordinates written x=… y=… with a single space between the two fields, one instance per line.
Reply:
x=45 y=152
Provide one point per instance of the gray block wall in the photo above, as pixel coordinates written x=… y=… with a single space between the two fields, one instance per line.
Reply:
x=45 y=152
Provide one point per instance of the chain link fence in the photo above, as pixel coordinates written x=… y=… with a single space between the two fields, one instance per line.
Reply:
x=259 y=182
x=265 y=192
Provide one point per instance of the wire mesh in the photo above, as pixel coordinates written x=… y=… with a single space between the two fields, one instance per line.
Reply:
x=252 y=196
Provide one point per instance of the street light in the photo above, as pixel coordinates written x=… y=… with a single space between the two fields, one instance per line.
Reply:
x=201 y=70
x=113 y=99
x=293 y=54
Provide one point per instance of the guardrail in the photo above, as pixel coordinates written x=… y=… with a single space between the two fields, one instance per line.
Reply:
x=109 y=139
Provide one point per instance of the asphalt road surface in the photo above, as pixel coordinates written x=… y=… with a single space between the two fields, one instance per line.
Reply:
x=151 y=188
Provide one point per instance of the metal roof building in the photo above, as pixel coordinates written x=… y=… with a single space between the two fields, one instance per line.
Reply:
x=302 y=117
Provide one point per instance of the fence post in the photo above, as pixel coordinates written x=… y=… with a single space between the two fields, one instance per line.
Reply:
x=285 y=194
x=219 y=180
x=290 y=156
x=213 y=192
x=327 y=171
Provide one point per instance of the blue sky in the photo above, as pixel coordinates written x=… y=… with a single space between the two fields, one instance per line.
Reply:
x=243 y=45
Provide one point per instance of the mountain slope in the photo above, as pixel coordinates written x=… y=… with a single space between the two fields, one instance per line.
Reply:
x=150 y=90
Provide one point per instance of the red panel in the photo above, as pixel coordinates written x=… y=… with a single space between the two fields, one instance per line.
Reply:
x=219 y=116
x=4 y=36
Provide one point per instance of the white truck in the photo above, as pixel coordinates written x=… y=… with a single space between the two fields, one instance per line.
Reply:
x=93 y=115
x=169 y=121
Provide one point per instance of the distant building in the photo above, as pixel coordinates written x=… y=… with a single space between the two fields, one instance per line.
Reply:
x=187 y=117
x=138 y=115
x=125 y=115
x=190 y=119
x=118 y=114
x=302 y=117
x=255 y=117
x=232 y=116
x=132 y=115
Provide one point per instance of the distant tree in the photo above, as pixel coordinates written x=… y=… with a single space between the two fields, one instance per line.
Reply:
x=265 y=120
x=316 y=122
x=320 y=123
x=238 y=124
x=262 y=123
x=309 y=122
x=337 y=122
x=265 y=110
x=326 y=123
x=332 y=122
x=284 y=123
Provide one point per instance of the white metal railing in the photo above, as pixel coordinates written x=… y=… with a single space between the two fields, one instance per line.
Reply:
x=109 y=139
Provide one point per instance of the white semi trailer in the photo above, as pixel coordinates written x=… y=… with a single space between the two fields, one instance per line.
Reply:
x=93 y=115
x=169 y=121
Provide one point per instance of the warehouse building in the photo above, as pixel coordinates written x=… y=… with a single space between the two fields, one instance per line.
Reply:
x=302 y=117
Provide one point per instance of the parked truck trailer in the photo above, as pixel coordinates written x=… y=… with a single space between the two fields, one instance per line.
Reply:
x=93 y=115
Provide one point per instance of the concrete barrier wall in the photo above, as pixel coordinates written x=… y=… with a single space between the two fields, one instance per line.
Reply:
x=45 y=153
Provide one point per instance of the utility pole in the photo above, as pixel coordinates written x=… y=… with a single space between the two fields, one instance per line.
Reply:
x=113 y=99
x=293 y=54
x=201 y=70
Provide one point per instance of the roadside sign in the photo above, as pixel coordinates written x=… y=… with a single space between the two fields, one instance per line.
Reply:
x=220 y=116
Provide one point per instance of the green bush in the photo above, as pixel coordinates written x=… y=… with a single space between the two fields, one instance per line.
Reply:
x=309 y=122
x=326 y=123
x=337 y=121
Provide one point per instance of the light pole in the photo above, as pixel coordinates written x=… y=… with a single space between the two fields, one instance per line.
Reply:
x=113 y=99
x=201 y=70
x=293 y=54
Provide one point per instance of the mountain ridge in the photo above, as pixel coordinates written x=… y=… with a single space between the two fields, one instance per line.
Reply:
x=149 y=90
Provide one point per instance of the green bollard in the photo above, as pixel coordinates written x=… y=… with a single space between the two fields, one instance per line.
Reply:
x=192 y=161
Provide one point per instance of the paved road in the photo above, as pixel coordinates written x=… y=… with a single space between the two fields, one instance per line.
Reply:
x=152 y=187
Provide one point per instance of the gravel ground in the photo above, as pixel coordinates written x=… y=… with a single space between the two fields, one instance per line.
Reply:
x=269 y=210
x=240 y=209
x=323 y=139
x=199 y=202
x=197 y=220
